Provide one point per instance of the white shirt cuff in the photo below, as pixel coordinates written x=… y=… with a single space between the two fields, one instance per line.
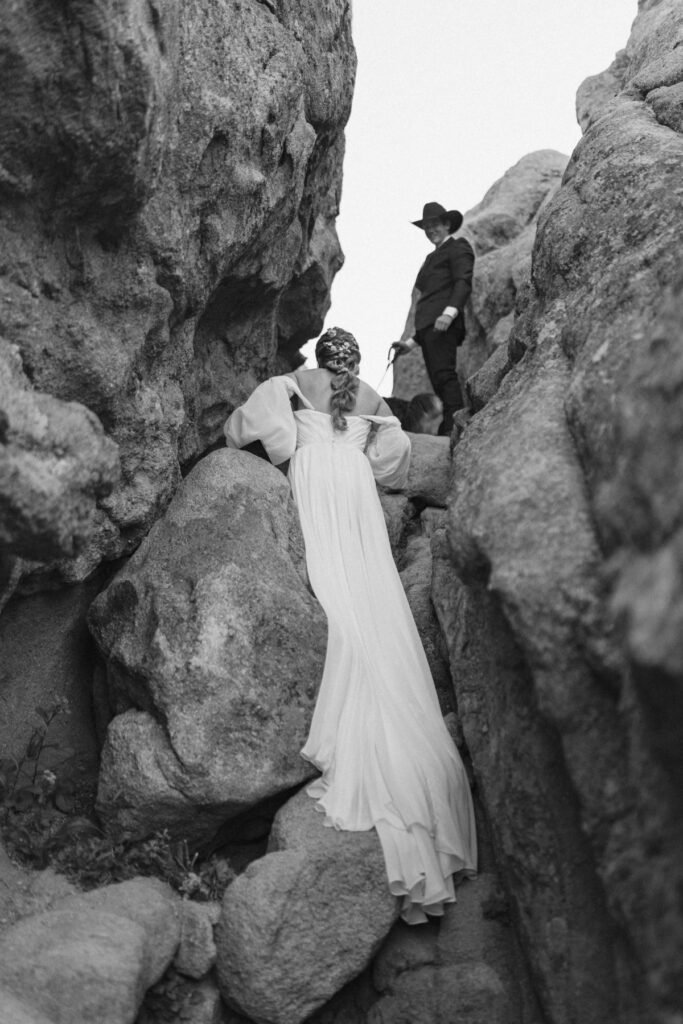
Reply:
x=450 y=311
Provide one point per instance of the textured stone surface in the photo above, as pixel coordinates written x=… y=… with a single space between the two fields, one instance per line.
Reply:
x=89 y=957
x=544 y=859
x=501 y=229
x=47 y=653
x=464 y=969
x=147 y=902
x=196 y=953
x=70 y=965
x=55 y=465
x=214 y=648
x=16 y=1011
x=399 y=512
x=78 y=966
x=24 y=891
x=482 y=385
x=416 y=577
x=170 y=180
x=564 y=616
x=304 y=919
x=429 y=476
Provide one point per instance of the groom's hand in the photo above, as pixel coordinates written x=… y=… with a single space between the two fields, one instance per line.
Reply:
x=443 y=322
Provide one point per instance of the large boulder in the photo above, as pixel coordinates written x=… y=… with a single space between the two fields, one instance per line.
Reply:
x=214 y=648
x=149 y=903
x=559 y=579
x=171 y=175
x=501 y=229
x=92 y=958
x=303 y=920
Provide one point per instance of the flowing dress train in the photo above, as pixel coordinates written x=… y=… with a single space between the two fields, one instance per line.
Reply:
x=377 y=734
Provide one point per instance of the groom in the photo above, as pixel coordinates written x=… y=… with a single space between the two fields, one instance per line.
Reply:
x=436 y=319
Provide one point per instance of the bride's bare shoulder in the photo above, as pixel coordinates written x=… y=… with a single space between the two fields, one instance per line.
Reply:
x=312 y=378
x=368 y=401
x=306 y=373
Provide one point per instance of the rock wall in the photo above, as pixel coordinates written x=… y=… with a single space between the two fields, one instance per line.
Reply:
x=169 y=181
x=559 y=578
x=501 y=229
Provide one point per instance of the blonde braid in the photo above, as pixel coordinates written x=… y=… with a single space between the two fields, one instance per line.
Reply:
x=338 y=351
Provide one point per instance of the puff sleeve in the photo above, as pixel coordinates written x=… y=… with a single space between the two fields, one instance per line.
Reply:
x=266 y=416
x=388 y=451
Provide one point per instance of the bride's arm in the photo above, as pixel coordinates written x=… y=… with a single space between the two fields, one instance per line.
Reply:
x=267 y=417
x=388 y=449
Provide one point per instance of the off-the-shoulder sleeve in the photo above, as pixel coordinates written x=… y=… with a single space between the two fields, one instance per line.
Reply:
x=388 y=451
x=266 y=416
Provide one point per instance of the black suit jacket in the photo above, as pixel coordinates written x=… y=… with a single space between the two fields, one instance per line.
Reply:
x=445 y=279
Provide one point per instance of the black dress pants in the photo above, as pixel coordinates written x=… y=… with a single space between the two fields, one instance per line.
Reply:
x=439 y=352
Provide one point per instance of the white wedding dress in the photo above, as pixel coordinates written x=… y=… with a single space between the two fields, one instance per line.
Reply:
x=377 y=734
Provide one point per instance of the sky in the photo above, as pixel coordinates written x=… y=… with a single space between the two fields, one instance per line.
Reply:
x=449 y=95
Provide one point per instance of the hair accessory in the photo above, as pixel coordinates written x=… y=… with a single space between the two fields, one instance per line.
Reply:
x=337 y=350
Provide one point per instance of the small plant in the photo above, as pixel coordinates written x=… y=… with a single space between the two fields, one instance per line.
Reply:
x=33 y=798
x=91 y=859
x=23 y=782
x=40 y=827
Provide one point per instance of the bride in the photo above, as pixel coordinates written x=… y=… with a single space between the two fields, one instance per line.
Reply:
x=377 y=736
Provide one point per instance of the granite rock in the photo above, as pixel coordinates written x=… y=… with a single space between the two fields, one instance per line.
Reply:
x=170 y=180
x=429 y=476
x=558 y=580
x=416 y=577
x=303 y=920
x=24 y=891
x=55 y=465
x=466 y=967
x=214 y=648
x=91 y=959
x=149 y=903
x=47 y=658
x=196 y=953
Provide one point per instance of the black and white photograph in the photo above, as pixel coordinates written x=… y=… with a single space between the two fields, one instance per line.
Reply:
x=341 y=512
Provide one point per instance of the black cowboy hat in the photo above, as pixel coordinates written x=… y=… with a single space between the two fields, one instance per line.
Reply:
x=435 y=211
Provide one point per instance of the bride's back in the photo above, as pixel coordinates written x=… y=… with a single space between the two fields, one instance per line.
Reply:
x=316 y=385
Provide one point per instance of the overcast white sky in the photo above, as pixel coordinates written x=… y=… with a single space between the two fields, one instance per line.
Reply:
x=449 y=94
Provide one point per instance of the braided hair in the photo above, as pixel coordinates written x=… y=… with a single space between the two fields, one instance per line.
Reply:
x=338 y=351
